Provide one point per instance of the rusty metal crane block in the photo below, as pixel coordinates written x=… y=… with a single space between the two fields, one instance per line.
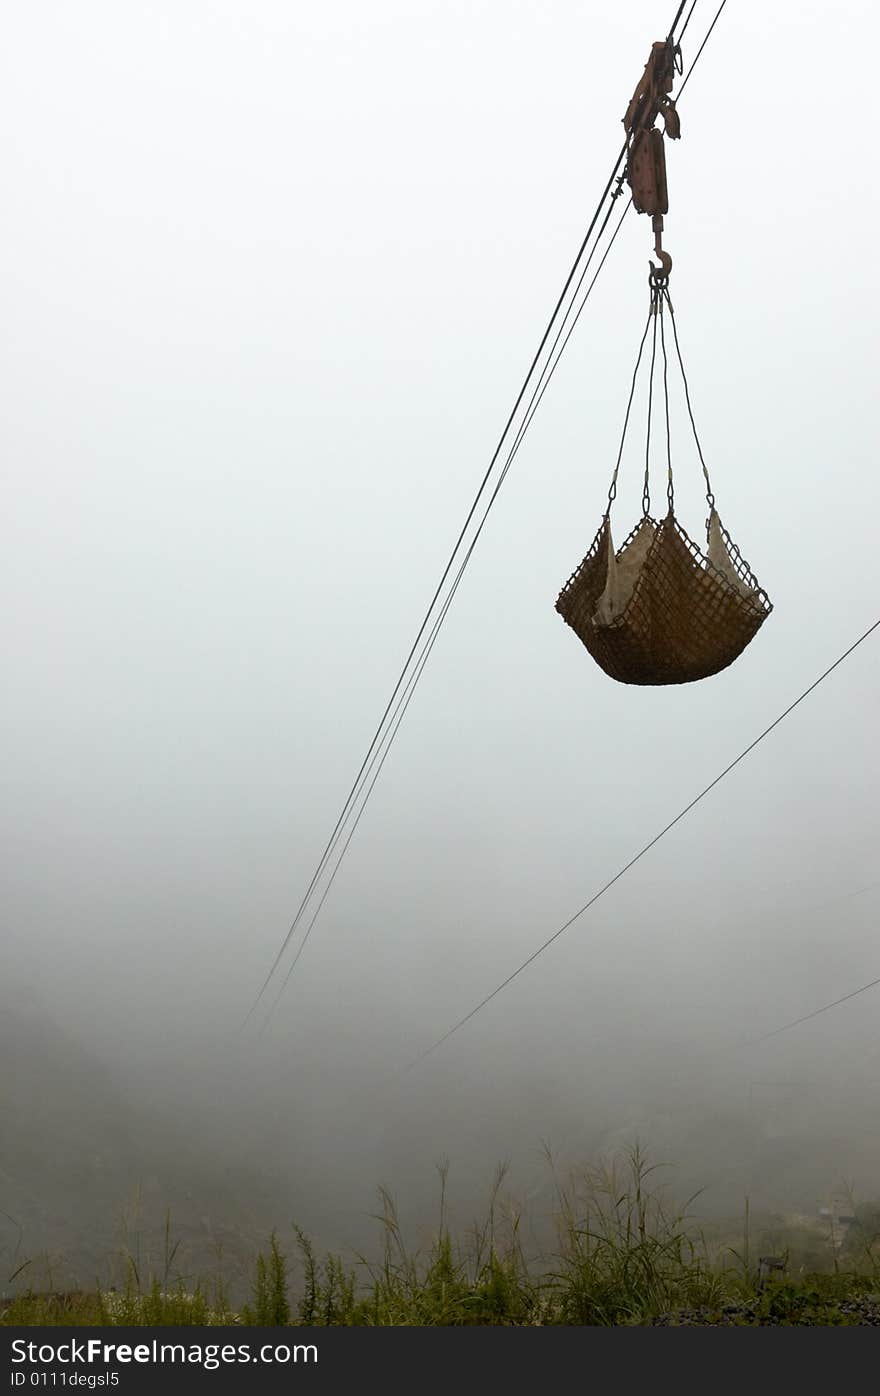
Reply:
x=646 y=173
x=651 y=96
x=646 y=153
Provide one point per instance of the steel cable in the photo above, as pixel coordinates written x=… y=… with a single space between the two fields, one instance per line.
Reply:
x=648 y=846
x=380 y=734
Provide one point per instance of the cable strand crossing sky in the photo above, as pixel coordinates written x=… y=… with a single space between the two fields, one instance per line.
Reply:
x=390 y=721
x=407 y=695
x=641 y=853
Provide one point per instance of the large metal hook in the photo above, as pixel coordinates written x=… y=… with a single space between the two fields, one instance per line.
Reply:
x=665 y=267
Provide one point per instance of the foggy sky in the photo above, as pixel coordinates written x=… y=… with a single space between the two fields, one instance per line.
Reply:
x=273 y=274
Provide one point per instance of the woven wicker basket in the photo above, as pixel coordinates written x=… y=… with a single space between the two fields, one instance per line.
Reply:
x=685 y=617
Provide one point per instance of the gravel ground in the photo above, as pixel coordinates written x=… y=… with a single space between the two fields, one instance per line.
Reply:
x=858 y=1311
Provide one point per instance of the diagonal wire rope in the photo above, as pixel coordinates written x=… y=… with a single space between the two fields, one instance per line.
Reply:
x=687 y=21
x=702 y=46
x=646 y=490
x=378 y=735
x=612 y=490
x=440 y=585
x=646 y=849
x=670 y=489
x=687 y=397
x=805 y=1017
x=725 y=1051
x=738 y=1045
x=546 y=374
x=406 y=697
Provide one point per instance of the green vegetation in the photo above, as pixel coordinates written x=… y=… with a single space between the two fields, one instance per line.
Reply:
x=623 y=1256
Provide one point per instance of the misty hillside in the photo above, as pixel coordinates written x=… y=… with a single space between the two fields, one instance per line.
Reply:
x=85 y=1174
x=91 y=1158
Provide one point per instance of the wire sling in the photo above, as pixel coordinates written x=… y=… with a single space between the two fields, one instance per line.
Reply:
x=660 y=610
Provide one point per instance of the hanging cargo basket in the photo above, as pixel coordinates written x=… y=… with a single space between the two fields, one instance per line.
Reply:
x=659 y=610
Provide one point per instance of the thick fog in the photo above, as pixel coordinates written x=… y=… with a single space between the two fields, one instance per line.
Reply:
x=273 y=275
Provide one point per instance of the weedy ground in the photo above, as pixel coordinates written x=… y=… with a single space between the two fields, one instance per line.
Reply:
x=623 y=1256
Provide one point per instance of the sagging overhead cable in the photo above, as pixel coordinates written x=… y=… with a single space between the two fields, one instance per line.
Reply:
x=380 y=755
x=405 y=673
x=646 y=849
